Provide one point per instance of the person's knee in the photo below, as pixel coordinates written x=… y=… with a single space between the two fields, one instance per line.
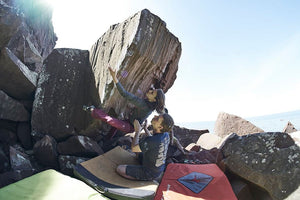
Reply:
x=121 y=169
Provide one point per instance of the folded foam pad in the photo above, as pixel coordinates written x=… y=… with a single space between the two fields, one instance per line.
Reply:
x=49 y=185
x=100 y=173
x=191 y=182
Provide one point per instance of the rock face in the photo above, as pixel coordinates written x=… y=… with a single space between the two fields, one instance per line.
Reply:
x=270 y=160
x=227 y=123
x=65 y=85
x=22 y=80
x=11 y=109
x=9 y=23
x=27 y=31
x=143 y=52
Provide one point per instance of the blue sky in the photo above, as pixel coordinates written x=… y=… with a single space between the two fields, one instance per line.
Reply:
x=240 y=57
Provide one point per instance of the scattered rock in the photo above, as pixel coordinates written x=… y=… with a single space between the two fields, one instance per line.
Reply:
x=67 y=163
x=19 y=160
x=9 y=23
x=269 y=160
x=296 y=137
x=209 y=141
x=187 y=136
x=241 y=190
x=79 y=146
x=45 y=152
x=289 y=128
x=31 y=36
x=11 y=109
x=193 y=147
x=23 y=133
x=8 y=137
x=227 y=123
x=23 y=83
x=14 y=176
x=4 y=162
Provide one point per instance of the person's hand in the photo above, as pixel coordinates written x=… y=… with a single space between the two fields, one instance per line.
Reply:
x=137 y=126
x=88 y=108
x=113 y=74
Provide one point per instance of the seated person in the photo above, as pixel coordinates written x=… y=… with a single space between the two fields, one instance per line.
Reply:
x=173 y=140
x=151 y=150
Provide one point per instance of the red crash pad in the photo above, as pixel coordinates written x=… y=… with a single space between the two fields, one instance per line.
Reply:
x=190 y=182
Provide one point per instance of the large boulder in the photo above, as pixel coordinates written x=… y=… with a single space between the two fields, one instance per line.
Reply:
x=45 y=151
x=209 y=141
x=269 y=160
x=79 y=146
x=289 y=128
x=24 y=136
x=9 y=23
x=19 y=160
x=16 y=79
x=143 y=52
x=7 y=137
x=68 y=163
x=11 y=109
x=4 y=162
x=228 y=123
x=65 y=85
x=296 y=137
x=187 y=136
x=31 y=35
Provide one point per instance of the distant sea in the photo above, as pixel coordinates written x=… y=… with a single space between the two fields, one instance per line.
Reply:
x=269 y=123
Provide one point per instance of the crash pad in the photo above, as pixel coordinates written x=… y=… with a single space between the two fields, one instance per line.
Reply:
x=49 y=185
x=100 y=173
x=191 y=182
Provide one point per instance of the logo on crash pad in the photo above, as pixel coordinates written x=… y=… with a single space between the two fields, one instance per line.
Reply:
x=195 y=181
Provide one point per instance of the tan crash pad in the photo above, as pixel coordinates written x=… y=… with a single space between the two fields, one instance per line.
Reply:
x=103 y=169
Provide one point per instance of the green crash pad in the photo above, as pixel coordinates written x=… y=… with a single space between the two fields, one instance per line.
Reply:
x=49 y=185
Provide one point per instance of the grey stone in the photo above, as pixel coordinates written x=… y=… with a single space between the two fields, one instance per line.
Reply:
x=228 y=123
x=65 y=85
x=289 y=128
x=144 y=53
x=24 y=135
x=68 y=163
x=9 y=23
x=11 y=109
x=19 y=160
x=16 y=79
x=269 y=160
x=45 y=152
x=79 y=146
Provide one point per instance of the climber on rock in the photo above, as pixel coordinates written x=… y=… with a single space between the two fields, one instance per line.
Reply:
x=155 y=100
